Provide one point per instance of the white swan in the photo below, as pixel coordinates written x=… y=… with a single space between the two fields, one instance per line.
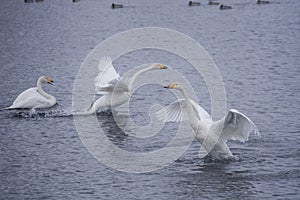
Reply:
x=116 y=90
x=212 y=135
x=35 y=97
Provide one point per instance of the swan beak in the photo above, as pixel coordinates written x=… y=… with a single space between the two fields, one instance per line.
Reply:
x=50 y=81
x=171 y=86
x=162 y=66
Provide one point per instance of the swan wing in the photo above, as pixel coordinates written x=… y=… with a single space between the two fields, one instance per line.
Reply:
x=37 y=101
x=116 y=86
x=28 y=99
x=24 y=96
x=107 y=73
x=237 y=126
x=177 y=111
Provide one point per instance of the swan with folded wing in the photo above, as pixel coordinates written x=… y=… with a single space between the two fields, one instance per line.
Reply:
x=35 y=97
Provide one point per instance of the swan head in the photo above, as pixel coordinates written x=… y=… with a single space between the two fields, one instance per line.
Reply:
x=158 y=66
x=174 y=86
x=45 y=79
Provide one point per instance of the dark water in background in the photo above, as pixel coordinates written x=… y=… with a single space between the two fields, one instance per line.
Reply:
x=256 y=49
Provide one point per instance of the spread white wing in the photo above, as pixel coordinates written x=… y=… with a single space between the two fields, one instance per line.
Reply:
x=237 y=126
x=177 y=111
x=116 y=86
x=107 y=75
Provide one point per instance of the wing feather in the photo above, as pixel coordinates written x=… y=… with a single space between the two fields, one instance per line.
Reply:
x=237 y=126
x=116 y=85
x=107 y=74
x=28 y=99
x=25 y=95
x=177 y=111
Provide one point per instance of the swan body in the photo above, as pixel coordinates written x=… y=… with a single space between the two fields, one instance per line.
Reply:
x=115 y=90
x=35 y=97
x=213 y=135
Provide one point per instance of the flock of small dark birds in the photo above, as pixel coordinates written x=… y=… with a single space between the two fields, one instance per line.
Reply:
x=196 y=3
x=31 y=1
x=191 y=3
x=222 y=7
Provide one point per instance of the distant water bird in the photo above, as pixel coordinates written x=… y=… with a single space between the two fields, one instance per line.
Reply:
x=114 y=5
x=116 y=90
x=193 y=3
x=74 y=1
x=223 y=7
x=35 y=97
x=28 y=1
x=213 y=3
x=262 y=2
x=213 y=135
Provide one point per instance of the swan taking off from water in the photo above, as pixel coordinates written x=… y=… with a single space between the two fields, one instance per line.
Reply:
x=213 y=135
x=116 y=90
x=35 y=97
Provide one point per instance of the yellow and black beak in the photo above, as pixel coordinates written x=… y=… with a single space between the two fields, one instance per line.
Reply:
x=162 y=66
x=50 y=81
x=171 y=86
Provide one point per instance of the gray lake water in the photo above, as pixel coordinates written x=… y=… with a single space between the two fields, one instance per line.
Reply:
x=256 y=49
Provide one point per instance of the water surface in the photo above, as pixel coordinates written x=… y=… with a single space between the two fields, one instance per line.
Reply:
x=256 y=49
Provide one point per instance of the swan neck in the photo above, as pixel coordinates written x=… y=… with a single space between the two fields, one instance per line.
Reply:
x=186 y=97
x=40 y=89
x=136 y=75
x=192 y=115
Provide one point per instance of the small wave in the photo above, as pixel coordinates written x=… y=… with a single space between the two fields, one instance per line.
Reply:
x=211 y=159
x=280 y=175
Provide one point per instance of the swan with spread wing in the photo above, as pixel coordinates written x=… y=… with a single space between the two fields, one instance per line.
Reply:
x=213 y=135
x=115 y=90
x=35 y=97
